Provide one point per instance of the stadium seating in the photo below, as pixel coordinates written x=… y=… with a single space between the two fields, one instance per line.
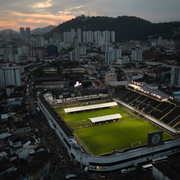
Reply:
x=125 y=98
x=163 y=111
x=175 y=117
x=172 y=115
x=163 y=106
x=133 y=98
x=159 y=114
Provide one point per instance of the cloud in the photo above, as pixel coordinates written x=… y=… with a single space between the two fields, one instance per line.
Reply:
x=38 y=13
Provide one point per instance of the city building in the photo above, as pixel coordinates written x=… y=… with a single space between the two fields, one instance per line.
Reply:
x=175 y=76
x=22 y=33
x=72 y=35
x=66 y=36
x=112 y=54
x=74 y=55
x=137 y=55
x=112 y=36
x=97 y=35
x=81 y=50
x=84 y=37
x=79 y=35
x=89 y=36
x=25 y=34
x=9 y=75
x=52 y=50
x=110 y=76
x=106 y=35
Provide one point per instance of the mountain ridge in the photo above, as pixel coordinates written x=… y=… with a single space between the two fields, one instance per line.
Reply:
x=41 y=31
x=125 y=27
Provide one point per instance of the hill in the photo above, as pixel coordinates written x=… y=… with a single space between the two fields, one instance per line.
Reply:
x=44 y=30
x=8 y=31
x=126 y=27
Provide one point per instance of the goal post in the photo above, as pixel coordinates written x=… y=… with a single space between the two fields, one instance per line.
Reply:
x=136 y=144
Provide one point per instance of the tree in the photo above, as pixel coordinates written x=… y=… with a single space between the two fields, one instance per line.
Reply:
x=38 y=72
x=86 y=84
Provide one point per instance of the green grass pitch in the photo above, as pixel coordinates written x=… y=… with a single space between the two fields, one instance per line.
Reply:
x=77 y=119
x=106 y=138
x=116 y=136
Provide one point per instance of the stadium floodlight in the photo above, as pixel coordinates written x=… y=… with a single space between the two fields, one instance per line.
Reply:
x=77 y=84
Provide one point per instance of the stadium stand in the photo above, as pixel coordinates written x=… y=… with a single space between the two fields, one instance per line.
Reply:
x=133 y=98
x=171 y=116
x=163 y=111
x=163 y=106
x=159 y=114
x=177 y=118
x=122 y=93
x=128 y=93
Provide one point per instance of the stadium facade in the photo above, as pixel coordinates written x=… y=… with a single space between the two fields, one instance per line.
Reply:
x=117 y=159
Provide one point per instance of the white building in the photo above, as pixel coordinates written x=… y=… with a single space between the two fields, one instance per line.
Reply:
x=81 y=50
x=112 y=54
x=160 y=41
x=40 y=41
x=23 y=50
x=153 y=43
x=73 y=34
x=66 y=36
x=106 y=35
x=112 y=36
x=79 y=35
x=74 y=56
x=123 y=60
x=17 y=58
x=97 y=35
x=9 y=76
x=84 y=37
x=5 y=50
x=89 y=36
x=110 y=76
x=11 y=57
x=175 y=76
x=137 y=55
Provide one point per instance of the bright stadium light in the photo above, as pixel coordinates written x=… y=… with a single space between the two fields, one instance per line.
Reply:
x=77 y=84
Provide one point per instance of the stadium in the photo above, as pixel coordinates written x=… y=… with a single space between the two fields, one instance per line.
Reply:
x=106 y=133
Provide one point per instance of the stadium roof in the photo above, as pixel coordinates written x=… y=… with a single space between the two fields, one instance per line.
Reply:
x=147 y=88
x=67 y=93
x=84 y=108
x=162 y=124
x=119 y=83
x=105 y=118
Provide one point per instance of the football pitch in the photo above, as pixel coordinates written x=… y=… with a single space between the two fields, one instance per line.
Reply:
x=105 y=138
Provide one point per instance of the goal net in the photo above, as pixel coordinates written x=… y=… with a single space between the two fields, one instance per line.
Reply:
x=136 y=144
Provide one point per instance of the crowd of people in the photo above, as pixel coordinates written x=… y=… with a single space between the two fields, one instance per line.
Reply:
x=60 y=161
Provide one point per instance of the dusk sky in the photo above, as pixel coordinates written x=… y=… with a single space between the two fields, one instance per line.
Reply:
x=37 y=13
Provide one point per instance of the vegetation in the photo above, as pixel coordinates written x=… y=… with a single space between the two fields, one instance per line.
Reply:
x=125 y=27
x=39 y=72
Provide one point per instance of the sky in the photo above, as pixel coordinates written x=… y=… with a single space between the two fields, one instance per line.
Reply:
x=41 y=13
